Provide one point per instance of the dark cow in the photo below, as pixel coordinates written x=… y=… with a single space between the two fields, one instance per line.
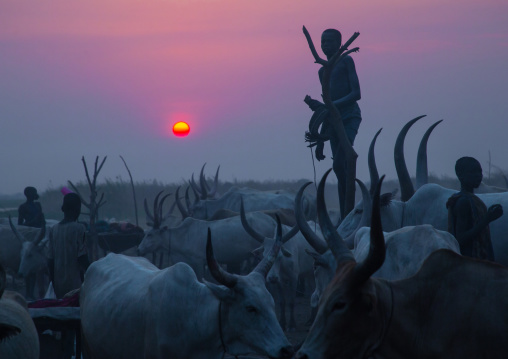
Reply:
x=454 y=307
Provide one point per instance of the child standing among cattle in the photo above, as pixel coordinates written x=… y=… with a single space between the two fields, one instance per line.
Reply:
x=468 y=217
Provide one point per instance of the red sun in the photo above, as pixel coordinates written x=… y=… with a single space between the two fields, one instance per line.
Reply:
x=181 y=129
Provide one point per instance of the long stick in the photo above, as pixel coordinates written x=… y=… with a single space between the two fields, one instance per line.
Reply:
x=133 y=191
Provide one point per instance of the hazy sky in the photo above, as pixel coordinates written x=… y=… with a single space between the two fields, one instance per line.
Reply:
x=110 y=77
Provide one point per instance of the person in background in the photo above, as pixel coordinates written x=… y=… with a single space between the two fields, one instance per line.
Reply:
x=30 y=213
x=468 y=216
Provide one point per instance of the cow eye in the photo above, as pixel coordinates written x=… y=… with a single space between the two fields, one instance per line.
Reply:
x=339 y=306
x=251 y=309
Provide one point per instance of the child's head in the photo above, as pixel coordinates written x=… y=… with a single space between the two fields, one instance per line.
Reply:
x=469 y=171
x=71 y=206
x=31 y=193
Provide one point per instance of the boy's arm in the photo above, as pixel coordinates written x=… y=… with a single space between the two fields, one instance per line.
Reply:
x=465 y=228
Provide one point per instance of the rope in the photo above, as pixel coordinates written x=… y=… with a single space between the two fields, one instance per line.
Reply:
x=315 y=180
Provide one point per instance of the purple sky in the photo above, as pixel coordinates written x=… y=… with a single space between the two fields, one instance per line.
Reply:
x=111 y=77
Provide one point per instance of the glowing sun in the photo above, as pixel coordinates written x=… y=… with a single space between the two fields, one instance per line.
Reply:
x=181 y=129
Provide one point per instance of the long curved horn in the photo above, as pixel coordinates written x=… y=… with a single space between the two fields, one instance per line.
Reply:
x=156 y=218
x=195 y=187
x=317 y=243
x=406 y=186
x=366 y=214
x=196 y=193
x=159 y=209
x=147 y=211
x=374 y=175
x=219 y=274
x=264 y=266
x=422 y=172
x=213 y=190
x=187 y=198
x=258 y=236
x=254 y=234
x=339 y=249
x=377 y=250
x=202 y=183
x=179 y=204
x=18 y=235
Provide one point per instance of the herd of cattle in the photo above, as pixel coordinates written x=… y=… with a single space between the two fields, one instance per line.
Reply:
x=388 y=282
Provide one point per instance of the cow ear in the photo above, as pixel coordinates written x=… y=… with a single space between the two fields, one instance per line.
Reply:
x=221 y=292
x=285 y=252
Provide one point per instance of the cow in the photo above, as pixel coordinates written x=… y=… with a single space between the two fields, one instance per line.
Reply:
x=453 y=307
x=131 y=309
x=186 y=242
x=18 y=335
x=426 y=205
x=34 y=260
x=406 y=248
x=255 y=200
x=291 y=264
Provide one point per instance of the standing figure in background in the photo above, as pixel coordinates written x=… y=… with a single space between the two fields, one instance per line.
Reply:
x=468 y=216
x=68 y=259
x=345 y=92
x=30 y=213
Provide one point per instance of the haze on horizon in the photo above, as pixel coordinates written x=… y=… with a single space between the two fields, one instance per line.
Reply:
x=111 y=78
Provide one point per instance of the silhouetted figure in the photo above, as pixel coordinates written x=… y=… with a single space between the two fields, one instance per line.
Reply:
x=68 y=259
x=468 y=216
x=30 y=213
x=345 y=92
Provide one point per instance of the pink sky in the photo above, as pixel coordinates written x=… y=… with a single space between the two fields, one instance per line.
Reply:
x=110 y=78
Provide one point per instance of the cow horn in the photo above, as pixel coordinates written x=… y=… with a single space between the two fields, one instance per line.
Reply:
x=254 y=234
x=317 y=243
x=366 y=214
x=42 y=234
x=339 y=249
x=159 y=209
x=179 y=204
x=171 y=209
x=18 y=235
x=202 y=183
x=147 y=211
x=213 y=190
x=377 y=250
x=195 y=186
x=374 y=175
x=187 y=198
x=406 y=186
x=422 y=172
x=219 y=274
x=266 y=264
x=156 y=219
x=194 y=191
x=258 y=236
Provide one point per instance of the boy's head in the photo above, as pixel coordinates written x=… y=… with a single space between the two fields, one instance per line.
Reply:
x=331 y=41
x=469 y=171
x=71 y=206
x=31 y=193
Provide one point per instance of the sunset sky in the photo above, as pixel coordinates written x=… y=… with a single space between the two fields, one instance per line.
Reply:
x=111 y=77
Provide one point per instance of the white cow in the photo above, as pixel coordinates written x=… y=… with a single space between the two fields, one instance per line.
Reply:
x=186 y=242
x=131 y=309
x=18 y=336
x=406 y=248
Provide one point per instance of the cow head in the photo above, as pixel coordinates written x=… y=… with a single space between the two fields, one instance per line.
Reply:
x=155 y=238
x=33 y=254
x=349 y=319
x=247 y=309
